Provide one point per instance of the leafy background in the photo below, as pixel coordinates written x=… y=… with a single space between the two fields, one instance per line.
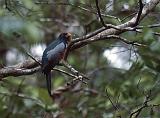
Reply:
x=122 y=75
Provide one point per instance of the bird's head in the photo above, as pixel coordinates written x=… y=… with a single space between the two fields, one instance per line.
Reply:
x=66 y=36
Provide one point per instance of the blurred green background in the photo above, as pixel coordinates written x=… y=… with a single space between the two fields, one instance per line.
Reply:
x=121 y=73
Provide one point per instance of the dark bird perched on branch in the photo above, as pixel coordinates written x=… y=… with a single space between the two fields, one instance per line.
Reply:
x=53 y=54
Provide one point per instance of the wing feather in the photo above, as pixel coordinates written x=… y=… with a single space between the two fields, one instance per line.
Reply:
x=55 y=53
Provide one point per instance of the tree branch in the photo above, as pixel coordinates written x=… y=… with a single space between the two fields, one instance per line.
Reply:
x=5 y=72
x=30 y=66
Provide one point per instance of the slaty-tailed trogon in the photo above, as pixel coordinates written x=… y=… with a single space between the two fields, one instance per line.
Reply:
x=53 y=54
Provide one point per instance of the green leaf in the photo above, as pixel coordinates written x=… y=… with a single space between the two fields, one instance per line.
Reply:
x=155 y=46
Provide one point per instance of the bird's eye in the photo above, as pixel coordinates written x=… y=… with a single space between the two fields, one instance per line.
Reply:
x=65 y=34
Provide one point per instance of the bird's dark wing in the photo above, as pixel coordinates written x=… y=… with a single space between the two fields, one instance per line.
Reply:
x=56 y=54
x=52 y=56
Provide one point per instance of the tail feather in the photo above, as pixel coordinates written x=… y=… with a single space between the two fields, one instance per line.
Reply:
x=48 y=80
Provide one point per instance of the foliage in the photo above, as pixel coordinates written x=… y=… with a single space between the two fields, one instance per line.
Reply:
x=110 y=92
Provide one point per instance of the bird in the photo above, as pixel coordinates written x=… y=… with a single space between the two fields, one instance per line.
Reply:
x=53 y=54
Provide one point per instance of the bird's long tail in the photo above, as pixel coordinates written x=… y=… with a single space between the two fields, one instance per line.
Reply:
x=48 y=80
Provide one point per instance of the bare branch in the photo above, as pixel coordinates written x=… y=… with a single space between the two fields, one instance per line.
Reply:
x=78 y=75
x=33 y=58
x=146 y=9
x=112 y=26
x=114 y=105
x=144 y=105
x=156 y=33
x=30 y=67
x=5 y=72
x=107 y=26
x=139 y=13
x=99 y=14
x=7 y=5
x=104 y=37
x=67 y=87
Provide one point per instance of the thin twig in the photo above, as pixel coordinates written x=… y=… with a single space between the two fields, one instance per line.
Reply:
x=33 y=58
x=6 y=5
x=139 y=13
x=128 y=16
x=99 y=14
x=78 y=6
x=107 y=26
x=67 y=65
x=115 y=107
x=144 y=105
